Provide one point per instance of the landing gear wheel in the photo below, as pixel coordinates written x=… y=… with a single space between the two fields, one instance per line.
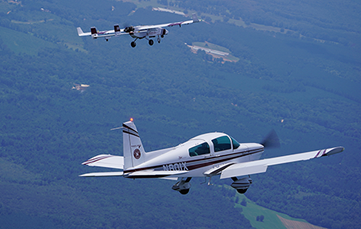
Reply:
x=241 y=191
x=184 y=191
x=158 y=40
x=151 y=42
x=133 y=44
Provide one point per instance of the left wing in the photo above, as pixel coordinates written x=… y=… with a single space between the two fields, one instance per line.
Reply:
x=172 y=175
x=260 y=166
x=95 y=33
x=194 y=20
x=102 y=174
x=154 y=174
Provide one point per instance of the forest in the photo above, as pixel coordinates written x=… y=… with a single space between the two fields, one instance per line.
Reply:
x=304 y=88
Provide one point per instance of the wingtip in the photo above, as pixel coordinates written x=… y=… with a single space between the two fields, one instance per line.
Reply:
x=335 y=150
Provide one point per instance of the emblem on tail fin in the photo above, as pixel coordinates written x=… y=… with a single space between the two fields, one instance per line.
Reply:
x=137 y=154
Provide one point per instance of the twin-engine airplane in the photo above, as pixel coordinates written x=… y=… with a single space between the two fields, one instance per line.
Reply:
x=137 y=32
x=206 y=155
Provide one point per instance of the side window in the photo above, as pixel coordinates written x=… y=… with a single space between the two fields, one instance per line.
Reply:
x=235 y=143
x=221 y=143
x=199 y=150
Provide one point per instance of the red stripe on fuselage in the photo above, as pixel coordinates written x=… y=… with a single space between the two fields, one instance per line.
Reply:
x=211 y=161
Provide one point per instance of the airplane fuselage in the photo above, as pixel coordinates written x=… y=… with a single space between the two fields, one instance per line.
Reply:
x=143 y=33
x=206 y=155
x=197 y=160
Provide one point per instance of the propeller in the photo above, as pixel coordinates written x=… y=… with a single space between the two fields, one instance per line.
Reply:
x=271 y=140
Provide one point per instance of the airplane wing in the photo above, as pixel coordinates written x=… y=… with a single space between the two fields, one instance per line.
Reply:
x=107 y=161
x=260 y=166
x=102 y=174
x=140 y=174
x=194 y=20
x=96 y=34
x=154 y=174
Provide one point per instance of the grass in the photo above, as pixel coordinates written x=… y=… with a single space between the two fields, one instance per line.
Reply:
x=252 y=210
x=211 y=46
x=218 y=48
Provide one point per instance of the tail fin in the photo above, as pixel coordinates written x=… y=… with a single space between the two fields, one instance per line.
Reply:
x=80 y=31
x=133 y=150
x=195 y=18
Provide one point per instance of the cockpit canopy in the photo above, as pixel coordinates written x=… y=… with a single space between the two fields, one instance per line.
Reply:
x=219 y=144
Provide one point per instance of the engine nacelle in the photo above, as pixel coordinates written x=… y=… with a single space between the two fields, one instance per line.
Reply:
x=116 y=28
x=93 y=30
x=241 y=184
x=129 y=29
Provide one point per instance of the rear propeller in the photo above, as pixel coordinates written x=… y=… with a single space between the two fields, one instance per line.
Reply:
x=271 y=140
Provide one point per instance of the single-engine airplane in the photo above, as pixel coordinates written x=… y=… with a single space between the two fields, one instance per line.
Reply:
x=137 y=32
x=206 y=155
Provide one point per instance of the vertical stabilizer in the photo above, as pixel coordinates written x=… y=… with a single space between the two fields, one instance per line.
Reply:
x=195 y=18
x=133 y=150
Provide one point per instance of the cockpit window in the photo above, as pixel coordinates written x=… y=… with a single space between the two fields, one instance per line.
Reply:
x=199 y=150
x=235 y=143
x=221 y=143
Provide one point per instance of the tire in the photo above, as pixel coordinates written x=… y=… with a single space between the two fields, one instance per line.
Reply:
x=184 y=191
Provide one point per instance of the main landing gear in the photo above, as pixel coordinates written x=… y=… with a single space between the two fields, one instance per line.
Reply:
x=182 y=186
x=241 y=185
x=133 y=44
x=150 y=42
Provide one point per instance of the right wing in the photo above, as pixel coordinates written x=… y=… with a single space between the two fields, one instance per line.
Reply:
x=194 y=20
x=260 y=166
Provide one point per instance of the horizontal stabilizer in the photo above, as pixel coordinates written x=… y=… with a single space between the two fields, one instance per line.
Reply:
x=102 y=174
x=107 y=161
x=260 y=166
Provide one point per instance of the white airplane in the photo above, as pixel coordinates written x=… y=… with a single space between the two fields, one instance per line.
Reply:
x=206 y=155
x=137 y=32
